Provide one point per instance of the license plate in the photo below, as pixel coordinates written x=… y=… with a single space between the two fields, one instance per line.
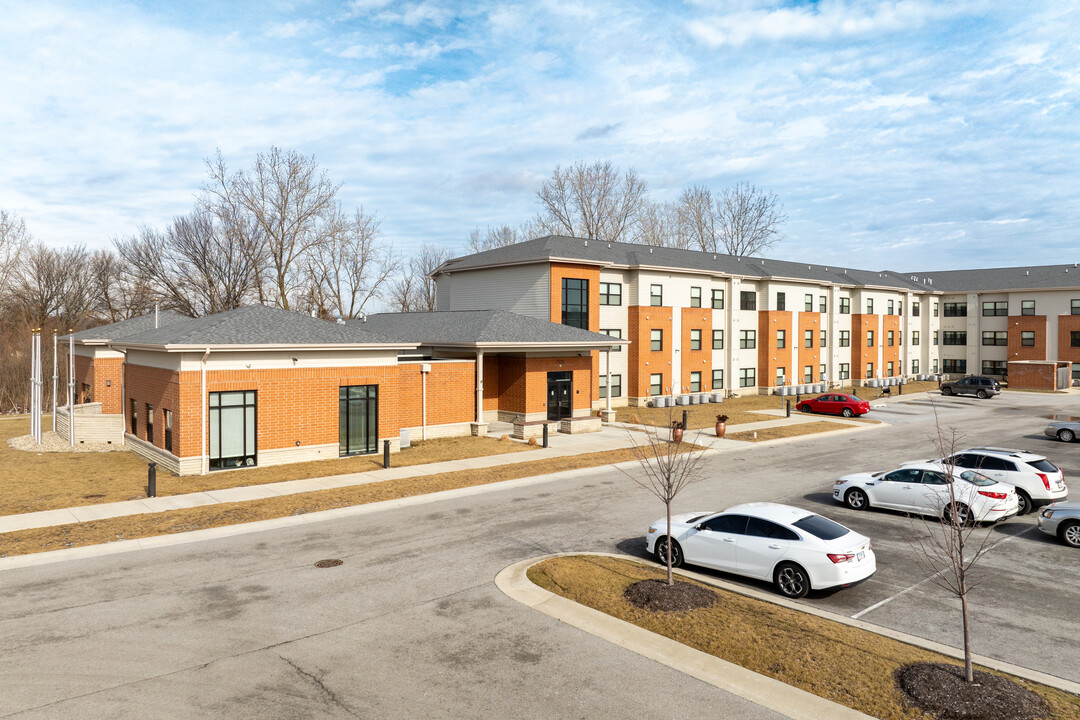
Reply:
x=860 y=556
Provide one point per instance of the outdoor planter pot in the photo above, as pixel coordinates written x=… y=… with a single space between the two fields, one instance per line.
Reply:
x=676 y=431
x=721 y=425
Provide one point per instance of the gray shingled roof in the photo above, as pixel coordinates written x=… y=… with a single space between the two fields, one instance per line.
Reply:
x=1037 y=277
x=470 y=327
x=126 y=328
x=633 y=255
x=257 y=325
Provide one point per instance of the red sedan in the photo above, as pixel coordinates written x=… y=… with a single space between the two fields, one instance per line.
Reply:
x=835 y=404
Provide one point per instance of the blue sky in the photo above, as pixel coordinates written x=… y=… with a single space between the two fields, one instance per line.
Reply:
x=904 y=135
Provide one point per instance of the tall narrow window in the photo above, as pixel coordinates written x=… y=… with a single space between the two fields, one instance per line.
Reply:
x=890 y=312
x=695 y=297
x=747 y=300
x=358 y=419
x=656 y=382
x=134 y=418
x=869 y=306
x=845 y=306
x=870 y=370
x=869 y=338
x=717 y=339
x=845 y=338
x=936 y=307
x=575 y=303
x=695 y=339
x=824 y=337
x=718 y=379
x=149 y=423
x=695 y=382
x=656 y=295
x=808 y=338
x=890 y=338
x=845 y=371
x=889 y=369
x=808 y=303
x=1074 y=338
x=168 y=430
x=656 y=340
x=781 y=301
x=823 y=304
x=808 y=374
x=781 y=376
x=781 y=339
x=914 y=366
x=718 y=299
x=914 y=337
x=232 y=429
x=915 y=309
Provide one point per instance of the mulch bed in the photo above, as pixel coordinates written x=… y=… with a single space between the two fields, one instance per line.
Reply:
x=658 y=596
x=942 y=691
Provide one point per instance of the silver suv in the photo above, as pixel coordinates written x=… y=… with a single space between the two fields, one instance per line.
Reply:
x=978 y=385
x=1038 y=481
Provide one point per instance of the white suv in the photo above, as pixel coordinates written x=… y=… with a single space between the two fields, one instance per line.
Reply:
x=1038 y=481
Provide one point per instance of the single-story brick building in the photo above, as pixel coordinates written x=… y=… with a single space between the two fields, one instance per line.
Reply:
x=263 y=386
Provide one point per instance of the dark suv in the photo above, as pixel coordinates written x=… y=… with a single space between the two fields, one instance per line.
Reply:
x=977 y=385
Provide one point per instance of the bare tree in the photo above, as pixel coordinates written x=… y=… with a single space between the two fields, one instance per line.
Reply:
x=14 y=239
x=54 y=285
x=118 y=293
x=748 y=220
x=494 y=237
x=660 y=225
x=350 y=266
x=591 y=201
x=404 y=293
x=667 y=467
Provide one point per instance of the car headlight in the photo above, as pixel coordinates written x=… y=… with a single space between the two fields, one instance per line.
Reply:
x=652 y=529
x=1048 y=513
x=839 y=483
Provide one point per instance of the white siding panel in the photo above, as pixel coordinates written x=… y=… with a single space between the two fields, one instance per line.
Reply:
x=522 y=289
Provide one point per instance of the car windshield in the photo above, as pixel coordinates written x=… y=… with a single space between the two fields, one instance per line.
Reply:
x=1043 y=465
x=693 y=520
x=821 y=527
x=976 y=478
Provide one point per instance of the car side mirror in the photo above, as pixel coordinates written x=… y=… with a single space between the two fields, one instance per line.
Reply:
x=701 y=527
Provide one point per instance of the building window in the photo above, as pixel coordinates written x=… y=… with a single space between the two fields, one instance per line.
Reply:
x=808 y=374
x=890 y=312
x=808 y=303
x=616 y=386
x=1027 y=338
x=695 y=339
x=845 y=338
x=781 y=339
x=718 y=379
x=781 y=301
x=845 y=371
x=747 y=377
x=232 y=429
x=869 y=338
x=1027 y=307
x=616 y=333
x=656 y=339
x=822 y=375
x=956 y=309
x=149 y=423
x=990 y=309
x=935 y=337
x=900 y=307
x=134 y=419
x=695 y=382
x=781 y=375
x=991 y=337
x=870 y=370
x=824 y=338
x=1074 y=338
x=656 y=295
x=823 y=304
x=995 y=367
x=656 y=382
x=890 y=338
x=954 y=366
x=747 y=339
x=610 y=293
x=914 y=367
x=914 y=337
x=869 y=306
x=914 y=309
x=950 y=337
x=575 y=303
x=168 y=430
x=747 y=300
x=935 y=366
x=718 y=299
x=695 y=297
x=1076 y=371
x=808 y=338
x=889 y=369
x=1075 y=305
x=845 y=306
x=935 y=314
x=717 y=339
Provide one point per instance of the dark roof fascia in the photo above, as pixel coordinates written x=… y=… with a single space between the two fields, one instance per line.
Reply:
x=488 y=345
x=187 y=347
x=443 y=270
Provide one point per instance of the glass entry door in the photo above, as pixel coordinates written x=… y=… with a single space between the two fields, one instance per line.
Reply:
x=358 y=419
x=560 y=390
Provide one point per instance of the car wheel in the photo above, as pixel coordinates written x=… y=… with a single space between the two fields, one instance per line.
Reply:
x=847 y=412
x=661 y=553
x=1066 y=435
x=791 y=580
x=856 y=499
x=1024 y=501
x=962 y=515
x=806 y=409
x=981 y=395
x=1070 y=533
x=946 y=390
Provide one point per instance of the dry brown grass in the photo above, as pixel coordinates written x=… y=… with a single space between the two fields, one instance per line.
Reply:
x=45 y=481
x=785 y=431
x=847 y=665
x=24 y=542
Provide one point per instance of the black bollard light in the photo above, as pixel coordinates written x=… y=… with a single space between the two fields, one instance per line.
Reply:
x=545 y=434
x=789 y=408
x=684 y=414
x=151 y=480
x=386 y=453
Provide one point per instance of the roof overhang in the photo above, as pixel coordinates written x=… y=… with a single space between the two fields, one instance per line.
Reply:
x=525 y=346
x=293 y=347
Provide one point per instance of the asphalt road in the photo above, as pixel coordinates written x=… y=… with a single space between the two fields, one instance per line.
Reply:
x=411 y=624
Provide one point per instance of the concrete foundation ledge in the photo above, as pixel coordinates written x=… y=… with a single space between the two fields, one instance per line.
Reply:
x=588 y=423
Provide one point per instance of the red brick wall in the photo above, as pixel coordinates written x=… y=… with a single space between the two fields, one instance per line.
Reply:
x=451 y=394
x=642 y=320
x=809 y=355
x=890 y=323
x=536 y=382
x=492 y=388
x=769 y=356
x=95 y=372
x=1032 y=376
x=1066 y=325
x=160 y=388
x=861 y=353
x=1022 y=323
x=697 y=360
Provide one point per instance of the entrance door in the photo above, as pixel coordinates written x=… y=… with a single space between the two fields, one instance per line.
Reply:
x=560 y=388
x=358 y=419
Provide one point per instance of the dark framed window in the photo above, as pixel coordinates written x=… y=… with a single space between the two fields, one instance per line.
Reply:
x=781 y=301
x=1076 y=371
x=747 y=339
x=616 y=333
x=610 y=293
x=808 y=374
x=914 y=337
x=992 y=308
x=808 y=303
x=914 y=367
x=747 y=300
x=616 y=386
x=869 y=306
x=992 y=337
x=935 y=366
x=869 y=369
x=781 y=376
x=823 y=304
x=824 y=338
x=717 y=339
x=890 y=310
x=995 y=367
x=935 y=337
x=149 y=423
x=695 y=297
x=914 y=309
x=695 y=381
x=845 y=306
x=656 y=295
x=845 y=338
x=747 y=377
x=718 y=379
x=575 y=303
x=695 y=339
x=954 y=366
x=956 y=309
x=656 y=340
x=952 y=337
x=134 y=418
x=1027 y=307
x=718 y=299
x=1074 y=338
x=936 y=305
x=358 y=419
x=781 y=339
x=1027 y=338
x=845 y=371
x=900 y=307
x=232 y=429
x=869 y=338
x=1074 y=307
x=808 y=338
x=656 y=383
x=168 y=429
x=889 y=369
x=890 y=338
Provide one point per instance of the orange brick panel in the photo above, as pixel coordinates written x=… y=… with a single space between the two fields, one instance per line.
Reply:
x=582 y=272
x=491 y=383
x=1022 y=323
x=451 y=394
x=1041 y=376
x=1068 y=324
x=810 y=355
x=697 y=360
x=157 y=387
x=890 y=354
x=642 y=361
x=861 y=354
x=536 y=381
x=769 y=356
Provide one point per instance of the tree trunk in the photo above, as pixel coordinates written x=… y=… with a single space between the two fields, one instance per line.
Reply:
x=670 y=579
x=969 y=672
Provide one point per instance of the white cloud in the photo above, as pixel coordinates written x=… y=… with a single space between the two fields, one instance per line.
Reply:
x=291 y=29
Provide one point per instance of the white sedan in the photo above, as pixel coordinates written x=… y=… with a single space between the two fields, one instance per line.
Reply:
x=793 y=548
x=923 y=489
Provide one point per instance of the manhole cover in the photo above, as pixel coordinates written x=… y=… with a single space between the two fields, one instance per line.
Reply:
x=327 y=563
